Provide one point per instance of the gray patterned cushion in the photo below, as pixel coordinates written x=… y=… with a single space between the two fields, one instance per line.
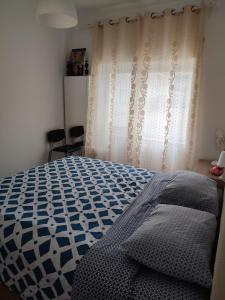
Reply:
x=192 y=190
x=176 y=241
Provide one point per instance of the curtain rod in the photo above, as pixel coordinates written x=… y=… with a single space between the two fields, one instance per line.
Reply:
x=153 y=15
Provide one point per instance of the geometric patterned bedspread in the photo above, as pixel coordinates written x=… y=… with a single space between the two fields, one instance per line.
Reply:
x=52 y=214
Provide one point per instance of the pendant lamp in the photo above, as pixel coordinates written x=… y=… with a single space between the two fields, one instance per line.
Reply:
x=57 y=13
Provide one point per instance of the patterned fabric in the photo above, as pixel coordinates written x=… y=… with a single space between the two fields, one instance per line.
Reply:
x=184 y=190
x=51 y=215
x=176 y=241
x=106 y=272
x=150 y=285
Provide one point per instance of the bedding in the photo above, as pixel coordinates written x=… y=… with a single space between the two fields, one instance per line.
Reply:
x=192 y=190
x=176 y=241
x=107 y=272
x=52 y=214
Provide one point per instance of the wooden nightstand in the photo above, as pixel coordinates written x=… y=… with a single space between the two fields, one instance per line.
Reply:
x=203 y=166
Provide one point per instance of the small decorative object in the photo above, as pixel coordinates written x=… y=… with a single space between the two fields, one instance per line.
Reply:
x=69 y=69
x=86 y=65
x=75 y=65
x=77 y=57
x=218 y=170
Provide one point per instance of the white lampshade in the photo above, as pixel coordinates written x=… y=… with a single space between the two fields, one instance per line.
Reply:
x=221 y=161
x=57 y=13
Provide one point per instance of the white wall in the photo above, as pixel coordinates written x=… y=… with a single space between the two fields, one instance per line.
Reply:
x=213 y=81
x=213 y=88
x=31 y=77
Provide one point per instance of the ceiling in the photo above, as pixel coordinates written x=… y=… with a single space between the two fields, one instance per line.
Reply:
x=95 y=4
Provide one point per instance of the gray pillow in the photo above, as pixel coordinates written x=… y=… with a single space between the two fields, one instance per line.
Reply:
x=192 y=190
x=176 y=241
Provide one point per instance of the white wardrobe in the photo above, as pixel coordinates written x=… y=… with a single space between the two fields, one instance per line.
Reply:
x=76 y=101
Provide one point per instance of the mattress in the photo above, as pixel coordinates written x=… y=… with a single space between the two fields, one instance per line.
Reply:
x=51 y=215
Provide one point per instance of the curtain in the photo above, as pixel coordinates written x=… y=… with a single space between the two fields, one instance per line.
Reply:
x=144 y=90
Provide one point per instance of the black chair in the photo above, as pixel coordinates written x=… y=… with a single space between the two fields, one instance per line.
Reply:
x=58 y=135
x=76 y=134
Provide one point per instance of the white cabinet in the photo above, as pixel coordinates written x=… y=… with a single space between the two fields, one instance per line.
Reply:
x=76 y=101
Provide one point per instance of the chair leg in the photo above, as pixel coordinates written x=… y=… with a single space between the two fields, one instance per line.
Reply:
x=82 y=151
x=49 y=156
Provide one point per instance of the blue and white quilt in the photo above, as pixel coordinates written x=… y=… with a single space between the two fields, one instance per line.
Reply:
x=52 y=214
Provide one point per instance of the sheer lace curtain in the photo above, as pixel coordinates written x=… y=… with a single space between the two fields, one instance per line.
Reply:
x=143 y=95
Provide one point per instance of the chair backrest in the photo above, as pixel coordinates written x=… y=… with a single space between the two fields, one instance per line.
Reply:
x=76 y=131
x=55 y=136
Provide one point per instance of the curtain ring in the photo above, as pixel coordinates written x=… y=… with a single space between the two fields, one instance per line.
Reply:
x=127 y=20
x=173 y=12
x=113 y=22
x=157 y=15
x=195 y=9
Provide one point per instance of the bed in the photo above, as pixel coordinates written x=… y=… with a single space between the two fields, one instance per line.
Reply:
x=50 y=216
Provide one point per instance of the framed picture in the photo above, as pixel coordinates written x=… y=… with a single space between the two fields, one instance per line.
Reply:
x=78 y=60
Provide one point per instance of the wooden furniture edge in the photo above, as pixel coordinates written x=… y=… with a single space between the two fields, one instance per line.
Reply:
x=6 y=294
x=218 y=287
